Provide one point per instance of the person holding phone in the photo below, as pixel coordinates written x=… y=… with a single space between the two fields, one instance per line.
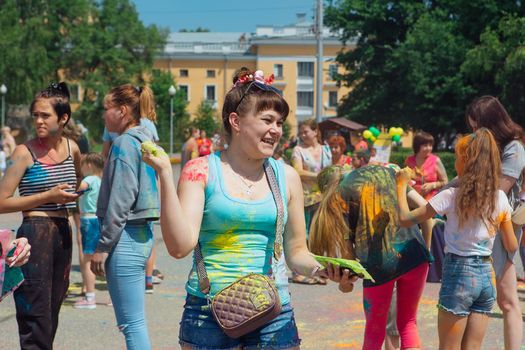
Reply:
x=92 y=165
x=46 y=170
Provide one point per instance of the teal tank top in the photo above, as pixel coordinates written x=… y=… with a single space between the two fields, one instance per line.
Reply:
x=237 y=235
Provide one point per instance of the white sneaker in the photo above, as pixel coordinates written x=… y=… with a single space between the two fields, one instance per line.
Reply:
x=85 y=304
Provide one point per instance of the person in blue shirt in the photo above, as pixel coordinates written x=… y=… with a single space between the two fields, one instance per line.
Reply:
x=127 y=204
x=224 y=204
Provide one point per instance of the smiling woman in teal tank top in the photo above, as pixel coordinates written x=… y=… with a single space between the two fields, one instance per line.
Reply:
x=224 y=203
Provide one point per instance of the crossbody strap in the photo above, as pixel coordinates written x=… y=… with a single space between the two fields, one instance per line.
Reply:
x=204 y=281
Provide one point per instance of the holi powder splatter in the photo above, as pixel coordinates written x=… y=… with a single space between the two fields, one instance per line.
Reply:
x=196 y=170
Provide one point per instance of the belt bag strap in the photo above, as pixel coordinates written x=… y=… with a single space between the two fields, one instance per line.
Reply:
x=204 y=281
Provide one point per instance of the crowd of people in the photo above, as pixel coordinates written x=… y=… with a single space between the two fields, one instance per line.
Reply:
x=232 y=195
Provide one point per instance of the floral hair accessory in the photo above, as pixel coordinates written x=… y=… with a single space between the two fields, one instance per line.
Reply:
x=257 y=76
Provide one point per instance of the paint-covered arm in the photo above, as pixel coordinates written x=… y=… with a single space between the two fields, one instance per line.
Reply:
x=408 y=218
x=20 y=160
x=508 y=238
x=415 y=200
x=180 y=210
x=296 y=252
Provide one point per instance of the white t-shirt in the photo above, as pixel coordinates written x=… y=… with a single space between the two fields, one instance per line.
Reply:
x=474 y=238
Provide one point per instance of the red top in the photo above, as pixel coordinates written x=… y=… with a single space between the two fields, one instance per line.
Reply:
x=425 y=174
x=204 y=146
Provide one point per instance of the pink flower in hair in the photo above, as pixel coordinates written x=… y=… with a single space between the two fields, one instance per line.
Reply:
x=259 y=76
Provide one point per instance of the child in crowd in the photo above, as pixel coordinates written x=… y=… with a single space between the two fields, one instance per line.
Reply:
x=92 y=165
x=476 y=211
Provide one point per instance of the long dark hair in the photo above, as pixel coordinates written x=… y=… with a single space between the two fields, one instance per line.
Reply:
x=488 y=112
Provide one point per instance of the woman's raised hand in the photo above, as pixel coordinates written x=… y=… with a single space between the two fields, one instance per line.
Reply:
x=155 y=157
x=58 y=195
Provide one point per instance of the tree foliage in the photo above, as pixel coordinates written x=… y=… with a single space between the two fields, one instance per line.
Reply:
x=160 y=83
x=206 y=118
x=419 y=63
x=97 y=44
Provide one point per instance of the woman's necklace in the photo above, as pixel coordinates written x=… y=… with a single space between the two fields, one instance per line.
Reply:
x=249 y=186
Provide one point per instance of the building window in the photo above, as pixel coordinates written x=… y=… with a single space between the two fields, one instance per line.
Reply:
x=210 y=73
x=185 y=90
x=183 y=73
x=278 y=71
x=332 y=98
x=305 y=69
x=210 y=93
x=332 y=71
x=305 y=99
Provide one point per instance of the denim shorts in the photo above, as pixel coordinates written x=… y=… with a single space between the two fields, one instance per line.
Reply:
x=199 y=330
x=468 y=285
x=90 y=230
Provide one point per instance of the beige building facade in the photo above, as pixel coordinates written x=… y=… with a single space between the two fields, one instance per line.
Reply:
x=203 y=65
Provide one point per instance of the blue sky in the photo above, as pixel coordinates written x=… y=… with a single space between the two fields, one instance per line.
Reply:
x=221 y=15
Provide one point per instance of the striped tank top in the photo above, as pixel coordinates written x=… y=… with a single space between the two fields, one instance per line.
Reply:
x=41 y=177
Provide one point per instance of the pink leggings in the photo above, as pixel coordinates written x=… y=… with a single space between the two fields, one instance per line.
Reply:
x=376 y=302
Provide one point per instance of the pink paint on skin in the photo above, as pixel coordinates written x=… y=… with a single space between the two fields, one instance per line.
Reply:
x=196 y=170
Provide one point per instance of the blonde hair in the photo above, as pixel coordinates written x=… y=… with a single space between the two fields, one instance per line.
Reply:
x=479 y=183
x=140 y=100
x=329 y=230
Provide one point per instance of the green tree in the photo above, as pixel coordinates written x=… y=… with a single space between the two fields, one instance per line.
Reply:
x=497 y=65
x=206 y=118
x=415 y=62
x=160 y=83
x=113 y=49
x=429 y=62
x=97 y=44
x=35 y=38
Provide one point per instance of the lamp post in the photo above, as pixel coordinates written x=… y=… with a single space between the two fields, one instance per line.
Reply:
x=172 y=92
x=3 y=91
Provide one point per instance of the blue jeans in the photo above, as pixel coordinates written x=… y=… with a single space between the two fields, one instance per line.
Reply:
x=199 y=330
x=468 y=285
x=125 y=276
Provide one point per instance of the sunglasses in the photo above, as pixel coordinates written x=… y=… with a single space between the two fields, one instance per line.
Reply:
x=260 y=86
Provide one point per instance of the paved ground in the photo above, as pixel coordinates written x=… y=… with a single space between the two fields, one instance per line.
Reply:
x=327 y=319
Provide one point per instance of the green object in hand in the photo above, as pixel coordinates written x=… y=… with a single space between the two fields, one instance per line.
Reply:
x=353 y=265
x=151 y=147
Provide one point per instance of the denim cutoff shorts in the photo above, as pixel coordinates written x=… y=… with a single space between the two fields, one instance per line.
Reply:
x=468 y=285
x=199 y=330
